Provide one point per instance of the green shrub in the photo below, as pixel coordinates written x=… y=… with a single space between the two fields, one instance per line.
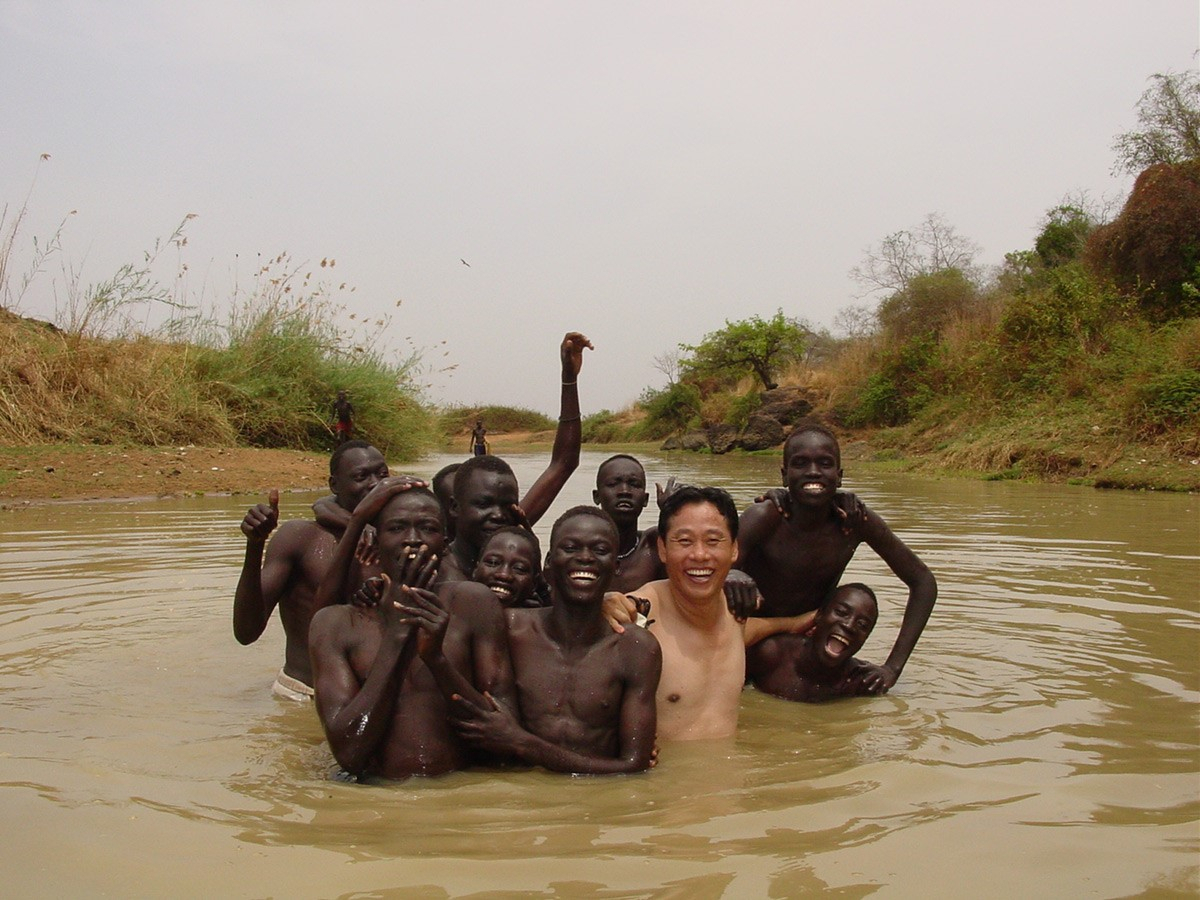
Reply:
x=458 y=420
x=603 y=428
x=671 y=410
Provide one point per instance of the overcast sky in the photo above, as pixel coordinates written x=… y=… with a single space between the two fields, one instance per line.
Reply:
x=640 y=172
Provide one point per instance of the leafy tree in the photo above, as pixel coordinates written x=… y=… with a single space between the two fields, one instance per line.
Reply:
x=748 y=347
x=900 y=257
x=1063 y=235
x=926 y=304
x=1169 y=124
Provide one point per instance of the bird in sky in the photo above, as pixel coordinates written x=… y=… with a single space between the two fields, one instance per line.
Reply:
x=464 y=262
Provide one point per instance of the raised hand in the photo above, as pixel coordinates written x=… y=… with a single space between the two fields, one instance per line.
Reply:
x=261 y=519
x=424 y=611
x=571 y=354
x=662 y=493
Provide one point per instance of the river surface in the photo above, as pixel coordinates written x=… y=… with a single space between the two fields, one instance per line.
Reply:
x=1043 y=741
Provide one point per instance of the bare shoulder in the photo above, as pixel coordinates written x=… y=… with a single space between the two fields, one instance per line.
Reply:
x=471 y=600
x=332 y=626
x=757 y=522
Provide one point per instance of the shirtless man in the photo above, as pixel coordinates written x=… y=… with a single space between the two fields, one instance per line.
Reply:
x=586 y=693
x=485 y=488
x=798 y=556
x=820 y=665
x=703 y=643
x=381 y=672
x=295 y=562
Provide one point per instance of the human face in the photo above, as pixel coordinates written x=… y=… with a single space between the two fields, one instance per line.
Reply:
x=507 y=566
x=843 y=626
x=812 y=468
x=358 y=471
x=698 y=552
x=621 y=490
x=409 y=521
x=487 y=502
x=582 y=560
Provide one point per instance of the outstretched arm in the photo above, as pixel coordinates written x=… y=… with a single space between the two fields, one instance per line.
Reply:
x=922 y=593
x=564 y=459
x=758 y=629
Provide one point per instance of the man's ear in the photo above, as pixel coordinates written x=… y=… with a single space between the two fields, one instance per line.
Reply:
x=839 y=481
x=332 y=489
x=645 y=501
x=783 y=475
x=737 y=551
x=596 y=497
x=662 y=550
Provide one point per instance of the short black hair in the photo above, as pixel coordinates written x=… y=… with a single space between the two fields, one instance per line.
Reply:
x=614 y=458
x=343 y=449
x=478 y=463
x=421 y=491
x=689 y=494
x=814 y=427
x=575 y=512
x=442 y=474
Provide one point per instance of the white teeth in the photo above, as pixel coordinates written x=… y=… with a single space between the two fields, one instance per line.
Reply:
x=586 y=576
x=839 y=639
x=700 y=573
x=502 y=591
x=814 y=488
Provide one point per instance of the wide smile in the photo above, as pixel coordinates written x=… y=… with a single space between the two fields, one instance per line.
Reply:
x=500 y=590
x=699 y=574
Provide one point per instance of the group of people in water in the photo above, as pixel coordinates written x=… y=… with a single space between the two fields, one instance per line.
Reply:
x=422 y=621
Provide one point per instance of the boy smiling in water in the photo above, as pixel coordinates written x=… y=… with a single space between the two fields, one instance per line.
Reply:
x=820 y=665
x=797 y=556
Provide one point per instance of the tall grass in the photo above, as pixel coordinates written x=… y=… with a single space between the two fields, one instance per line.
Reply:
x=263 y=373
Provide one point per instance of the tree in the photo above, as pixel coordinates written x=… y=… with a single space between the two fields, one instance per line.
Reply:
x=1064 y=233
x=903 y=255
x=1169 y=124
x=927 y=304
x=750 y=346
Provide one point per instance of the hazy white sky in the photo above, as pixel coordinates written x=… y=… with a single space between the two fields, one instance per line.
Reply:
x=640 y=172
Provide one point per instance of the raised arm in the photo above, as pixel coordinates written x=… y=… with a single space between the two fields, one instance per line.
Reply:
x=922 y=593
x=564 y=459
x=260 y=584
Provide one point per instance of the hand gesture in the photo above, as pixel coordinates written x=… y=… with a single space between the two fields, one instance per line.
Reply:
x=367 y=551
x=490 y=727
x=261 y=520
x=571 y=354
x=620 y=610
x=519 y=518
x=777 y=497
x=741 y=595
x=367 y=596
x=869 y=678
x=425 y=612
x=851 y=511
x=662 y=493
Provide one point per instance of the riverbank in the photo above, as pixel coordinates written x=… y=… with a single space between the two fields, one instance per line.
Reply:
x=73 y=472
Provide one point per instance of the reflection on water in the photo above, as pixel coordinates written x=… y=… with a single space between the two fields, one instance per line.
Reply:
x=1043 y=738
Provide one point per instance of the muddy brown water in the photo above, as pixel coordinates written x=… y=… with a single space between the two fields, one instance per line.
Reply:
x=1043 y=740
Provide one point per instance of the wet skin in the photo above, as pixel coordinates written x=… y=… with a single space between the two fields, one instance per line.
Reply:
x=821 y=666
x=797 y=561
x=586 y=693
x=290 y=572
x=377 y=670
x=508 y=568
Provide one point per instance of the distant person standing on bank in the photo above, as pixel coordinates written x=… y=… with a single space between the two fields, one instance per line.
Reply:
x=479 y=444
x=343 y=418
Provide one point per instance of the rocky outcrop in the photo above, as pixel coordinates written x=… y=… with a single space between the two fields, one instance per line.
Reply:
x=781 y=410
